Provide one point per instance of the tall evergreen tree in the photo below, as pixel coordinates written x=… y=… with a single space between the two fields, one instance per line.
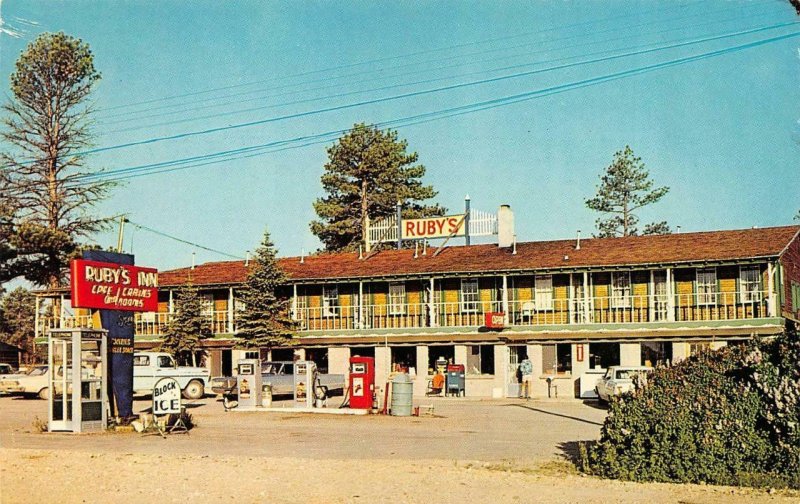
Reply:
x=367 y=173
x=625 y=188
x=265 y=321
x=188 y=326
x=41 y=179
x=17 y=319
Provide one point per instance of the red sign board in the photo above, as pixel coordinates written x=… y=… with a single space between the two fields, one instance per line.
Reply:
x=109 y=286
x=494 y=320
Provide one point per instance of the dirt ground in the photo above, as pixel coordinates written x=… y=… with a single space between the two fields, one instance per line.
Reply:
x=471 y=451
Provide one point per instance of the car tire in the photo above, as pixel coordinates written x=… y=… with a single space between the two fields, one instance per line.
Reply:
x=194 y=390
x=44 y=394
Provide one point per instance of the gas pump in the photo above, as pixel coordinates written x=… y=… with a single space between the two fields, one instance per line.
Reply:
x=305 y=380
x=248 y=383
x=362 y=382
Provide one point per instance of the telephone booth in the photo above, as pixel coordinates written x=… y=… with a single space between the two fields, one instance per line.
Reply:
x=77 y=378
x=362 y=382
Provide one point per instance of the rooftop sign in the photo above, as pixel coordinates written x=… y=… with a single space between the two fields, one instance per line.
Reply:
x=109 y=286
x=433 y=227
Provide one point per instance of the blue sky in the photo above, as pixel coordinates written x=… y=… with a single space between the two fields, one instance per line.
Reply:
x=721 y=131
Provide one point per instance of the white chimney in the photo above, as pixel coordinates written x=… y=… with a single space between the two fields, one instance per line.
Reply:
x=505 y=226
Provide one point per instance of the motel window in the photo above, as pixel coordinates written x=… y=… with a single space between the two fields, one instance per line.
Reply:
x=437 y=353
x=699 y=348
x=706 y=286
x=564 y=358
x=656 y=353
x=330 y=300
x=557 y=359
x=620 y=290
x=404 y=359
x=543 y=292
x=469 y=295
x=320 y=357
x=397 y=299
x=750 y=283
x=603 y=355
x=207 y=301
x=480 y=360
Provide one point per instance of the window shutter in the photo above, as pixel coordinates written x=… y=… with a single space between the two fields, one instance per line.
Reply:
x=548 y=358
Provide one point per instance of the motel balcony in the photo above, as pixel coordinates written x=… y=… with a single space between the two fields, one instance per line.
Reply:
x=644 y=309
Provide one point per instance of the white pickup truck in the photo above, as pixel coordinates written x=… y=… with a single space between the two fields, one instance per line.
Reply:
x=149 y=367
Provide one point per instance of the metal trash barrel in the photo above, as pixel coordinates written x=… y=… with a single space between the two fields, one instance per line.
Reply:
x=266 y=395
x=402 y=395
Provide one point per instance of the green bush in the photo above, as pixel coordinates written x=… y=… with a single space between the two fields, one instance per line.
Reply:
x=726 y=417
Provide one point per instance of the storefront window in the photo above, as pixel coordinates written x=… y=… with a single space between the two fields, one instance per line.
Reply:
x=603 y=355
x=447 y=352
x=564 y=358
x=656 y=353
x=404 y=358
x=480 y=360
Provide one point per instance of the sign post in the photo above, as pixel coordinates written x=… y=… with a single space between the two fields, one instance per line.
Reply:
x=110 y=283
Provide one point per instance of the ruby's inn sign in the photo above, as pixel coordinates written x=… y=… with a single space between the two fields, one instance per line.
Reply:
x=109 y=286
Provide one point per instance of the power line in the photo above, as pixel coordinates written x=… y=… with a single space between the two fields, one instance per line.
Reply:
x=382 y=88
x=412 y=94
x=293 y=86
x=406 y=55
x=165 y=235
x=450 y=112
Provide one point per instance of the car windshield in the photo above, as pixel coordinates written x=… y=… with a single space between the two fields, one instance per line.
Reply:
x=627 y=374
x=37 y=371
x=270 y=368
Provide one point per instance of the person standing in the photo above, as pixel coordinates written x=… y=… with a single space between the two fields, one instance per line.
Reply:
x=526 y=369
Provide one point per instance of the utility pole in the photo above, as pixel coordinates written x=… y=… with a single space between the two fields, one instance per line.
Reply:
x=122 y=220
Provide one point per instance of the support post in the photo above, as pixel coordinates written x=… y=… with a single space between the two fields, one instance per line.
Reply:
x=360 y=305
x=505 y=300
x=433 y=322
x=773 y=312
x=36 y=327
x=61 y=313
x=121 y=233
x=466 y=218
x=399 y=225
x=294 y=302
x=586 y=300
x=230 y=310
x=670 y=297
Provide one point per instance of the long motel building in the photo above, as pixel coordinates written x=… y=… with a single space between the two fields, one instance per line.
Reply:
x=574 y=306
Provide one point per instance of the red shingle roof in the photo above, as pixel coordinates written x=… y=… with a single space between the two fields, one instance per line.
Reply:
x=594 y=253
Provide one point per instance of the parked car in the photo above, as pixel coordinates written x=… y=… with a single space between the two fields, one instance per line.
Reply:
x=32 y=383
x=619 y=380
x=6 y=369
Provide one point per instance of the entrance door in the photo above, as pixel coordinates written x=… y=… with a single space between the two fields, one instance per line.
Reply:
x=515 y=353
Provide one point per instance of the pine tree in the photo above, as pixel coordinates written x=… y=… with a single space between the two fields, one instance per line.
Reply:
x=367 y=173
x=625 y=188
x=265 y=321
x=17 y=319
x=188 y=326
x=42 y=179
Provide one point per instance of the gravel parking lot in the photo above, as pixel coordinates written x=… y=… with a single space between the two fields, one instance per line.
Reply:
x=471 y=451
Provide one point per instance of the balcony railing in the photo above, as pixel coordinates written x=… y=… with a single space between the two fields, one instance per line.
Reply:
x=592 y=310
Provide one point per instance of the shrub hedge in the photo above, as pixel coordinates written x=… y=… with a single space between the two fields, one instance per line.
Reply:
x=729 y=417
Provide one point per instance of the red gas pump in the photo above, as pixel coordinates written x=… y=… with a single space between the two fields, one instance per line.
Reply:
x=362 y=382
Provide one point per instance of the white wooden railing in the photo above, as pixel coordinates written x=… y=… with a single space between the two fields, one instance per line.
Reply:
x=590 y=310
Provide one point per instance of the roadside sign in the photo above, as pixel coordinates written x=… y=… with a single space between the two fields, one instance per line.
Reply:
x=109 y=286
x=166 y=397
